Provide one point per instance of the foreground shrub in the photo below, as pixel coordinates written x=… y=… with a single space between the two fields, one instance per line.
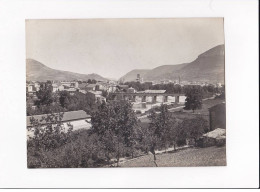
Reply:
x=82 y=151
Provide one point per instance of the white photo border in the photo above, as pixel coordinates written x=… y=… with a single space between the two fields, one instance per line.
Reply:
x=241 y=68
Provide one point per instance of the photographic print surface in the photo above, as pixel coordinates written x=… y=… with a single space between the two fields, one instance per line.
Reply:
x=125 y=93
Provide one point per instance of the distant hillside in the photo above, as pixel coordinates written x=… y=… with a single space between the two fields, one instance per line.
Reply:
x=208 y=67
x=163 y=72
x=36 y=71
x=132 y=75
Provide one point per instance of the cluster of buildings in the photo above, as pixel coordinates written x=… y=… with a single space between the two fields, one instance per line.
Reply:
x=81 y=120
x=201 y=84
x=93 y=90
x=32 y=87
x=177 y=81
x=185 y=83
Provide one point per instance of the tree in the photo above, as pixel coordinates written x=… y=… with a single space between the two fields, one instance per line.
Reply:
x=148 y=139
x=174 y=134
x=221 y=95
x=83 y=150
x=104 y=93
x=194 y=128
x=177 y=88
x=91 y=81
x=44 y=109
x=49 y=132
x=160 y=129
x=211 y=88
x=44 y=95
x=114 y=123
x=193 y=99
x=162 y=123
x=78 y=101
x=64 y=98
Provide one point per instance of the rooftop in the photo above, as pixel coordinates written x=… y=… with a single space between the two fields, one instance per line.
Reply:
x=216 y=133
x=123 y=86
x=95 y=92
x=222 y=105
x=71 y=89
x=91 y=85
x=82 y=85
x=67 y=116
x=152 y=91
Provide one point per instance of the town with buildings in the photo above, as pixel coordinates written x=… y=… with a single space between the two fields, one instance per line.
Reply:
x=118 y=90
x=142 y=103
x=129 y=94
x=122 y=97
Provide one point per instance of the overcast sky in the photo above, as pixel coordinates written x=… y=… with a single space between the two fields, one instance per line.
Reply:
x=113 y=47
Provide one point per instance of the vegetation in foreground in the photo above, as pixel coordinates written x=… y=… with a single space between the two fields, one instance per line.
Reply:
x=116 y=132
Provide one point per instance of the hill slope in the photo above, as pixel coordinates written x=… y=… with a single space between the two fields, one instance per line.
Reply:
x=132 y=75
x=208 y=67
x=36 y=71
x=164 y=72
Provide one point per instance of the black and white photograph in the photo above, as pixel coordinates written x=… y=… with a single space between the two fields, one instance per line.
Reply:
x=125 y=93
x=129 y=94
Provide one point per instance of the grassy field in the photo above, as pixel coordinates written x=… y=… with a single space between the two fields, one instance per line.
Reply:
x=191 y=157
x=180 y=114
x=212 y=156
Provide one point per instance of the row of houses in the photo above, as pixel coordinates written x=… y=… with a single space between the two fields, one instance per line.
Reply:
x=32 y=87
x=100 y=86
x=93 y=91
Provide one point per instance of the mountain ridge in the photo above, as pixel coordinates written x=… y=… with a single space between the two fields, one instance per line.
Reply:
x=37 y=71
x=207 y=67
